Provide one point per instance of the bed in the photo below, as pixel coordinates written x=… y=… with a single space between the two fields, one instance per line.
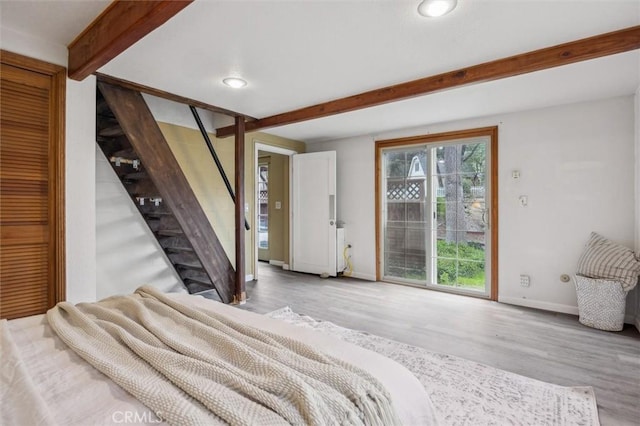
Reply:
x=44 y=381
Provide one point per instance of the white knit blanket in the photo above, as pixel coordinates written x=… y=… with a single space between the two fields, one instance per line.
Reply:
x=193 y=367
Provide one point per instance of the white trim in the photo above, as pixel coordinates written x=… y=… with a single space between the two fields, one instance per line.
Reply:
x=546 y=306
x=361 y=276
x=431 y=165
x=636 y=305
x=276 y=262
x=262 y=146
x=556 y=307
x=286 y=267
x=248 y=277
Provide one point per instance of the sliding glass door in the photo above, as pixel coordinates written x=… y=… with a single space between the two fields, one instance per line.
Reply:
x=434 y=202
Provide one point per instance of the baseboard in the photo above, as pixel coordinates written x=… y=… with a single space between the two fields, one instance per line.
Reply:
x=546 y=306
x=276 y=262
x=248 y=277
x=557 y=307
x=286 y=267
x=630 y=319
x=362 y=276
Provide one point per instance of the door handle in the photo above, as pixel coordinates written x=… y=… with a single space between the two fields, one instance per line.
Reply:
x=332 y=208
x=485 y=217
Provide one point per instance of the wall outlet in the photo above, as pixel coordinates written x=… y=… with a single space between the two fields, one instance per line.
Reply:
x=525 y=281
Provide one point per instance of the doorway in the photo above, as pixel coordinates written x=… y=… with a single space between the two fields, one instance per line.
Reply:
x=262 y=206
x=272 y=206
x=437 y=224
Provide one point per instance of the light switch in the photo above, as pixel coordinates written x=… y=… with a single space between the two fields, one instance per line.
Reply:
x=278 y=205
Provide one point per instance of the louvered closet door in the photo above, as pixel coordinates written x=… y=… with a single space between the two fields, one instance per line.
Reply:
x=27 y=193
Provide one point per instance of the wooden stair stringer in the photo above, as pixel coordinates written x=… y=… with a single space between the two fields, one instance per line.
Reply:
x=146 y=138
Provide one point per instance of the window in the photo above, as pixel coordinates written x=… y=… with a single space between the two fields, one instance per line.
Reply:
x=434 y=197
x=263 y=206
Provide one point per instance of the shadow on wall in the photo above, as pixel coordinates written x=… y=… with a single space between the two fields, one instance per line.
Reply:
x=127 y=254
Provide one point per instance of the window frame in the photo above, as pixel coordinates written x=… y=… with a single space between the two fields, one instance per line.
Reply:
x=491 y=204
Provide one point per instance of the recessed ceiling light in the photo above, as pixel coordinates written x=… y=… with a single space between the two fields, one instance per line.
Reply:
x=234 y=82
x=435 y=8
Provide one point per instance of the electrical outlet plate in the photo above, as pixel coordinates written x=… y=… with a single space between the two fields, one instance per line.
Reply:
x=525 y=281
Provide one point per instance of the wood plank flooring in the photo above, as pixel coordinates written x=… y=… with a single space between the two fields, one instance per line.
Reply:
x=546 y=346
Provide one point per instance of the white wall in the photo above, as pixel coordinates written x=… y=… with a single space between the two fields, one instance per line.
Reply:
x=81 y=190
x=635 y=300
x=128 y=255
x=577 y=168
x=80 y=165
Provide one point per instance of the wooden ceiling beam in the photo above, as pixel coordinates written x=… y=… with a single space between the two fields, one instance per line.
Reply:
x=119 y=26
x=563 y=54
x=168 y=95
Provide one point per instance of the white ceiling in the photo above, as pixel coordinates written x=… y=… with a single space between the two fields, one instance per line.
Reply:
x=57 y=21
x=299 y=53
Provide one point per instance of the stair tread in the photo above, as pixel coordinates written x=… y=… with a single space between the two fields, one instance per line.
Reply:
x=128 y=153
x=178 y=241
x=178 y=249
x=206 y=291
x=149 y=209
x=136 y=176
x=188 y=264
x=156 y=213
x=185 y=259
x=199 y=281
x=175 y=243
x=111 y=131
x=170 y=232
x=194 y=274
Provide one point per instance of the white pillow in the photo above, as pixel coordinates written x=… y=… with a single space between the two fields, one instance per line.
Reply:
x=602 y=258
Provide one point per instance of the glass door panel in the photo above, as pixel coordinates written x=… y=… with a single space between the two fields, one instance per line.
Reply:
x=406 y=218
x=434 y=210
x=263 y=211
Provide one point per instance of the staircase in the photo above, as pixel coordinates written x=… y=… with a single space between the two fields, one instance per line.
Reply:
x=131 y=140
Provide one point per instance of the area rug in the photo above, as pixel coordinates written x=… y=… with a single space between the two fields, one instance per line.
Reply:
x=464 y=392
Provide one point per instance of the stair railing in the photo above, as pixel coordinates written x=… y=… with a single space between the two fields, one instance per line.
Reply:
x=205 y=135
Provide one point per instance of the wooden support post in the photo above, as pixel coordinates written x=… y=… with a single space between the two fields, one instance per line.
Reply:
x=240 y=295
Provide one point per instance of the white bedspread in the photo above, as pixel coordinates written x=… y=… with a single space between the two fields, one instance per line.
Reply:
x=75 y=393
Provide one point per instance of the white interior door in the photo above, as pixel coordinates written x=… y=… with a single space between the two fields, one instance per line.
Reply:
x=314 y=213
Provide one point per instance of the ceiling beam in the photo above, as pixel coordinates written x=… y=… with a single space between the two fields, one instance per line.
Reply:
x=563 y=54
x=167 y=95
x=119 y=26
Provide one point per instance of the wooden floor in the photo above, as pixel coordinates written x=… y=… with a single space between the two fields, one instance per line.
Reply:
x=546 y=346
